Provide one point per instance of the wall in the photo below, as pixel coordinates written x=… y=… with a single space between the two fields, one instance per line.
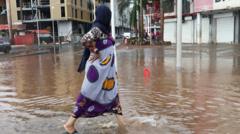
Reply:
x=225 y=28
x=55 y=7
x=205 y=30
x=86 y=12
x=14 y=12
x=203 y=5
x=64 y=28
x=27 y=39
x=187 y=30
x=170 y=30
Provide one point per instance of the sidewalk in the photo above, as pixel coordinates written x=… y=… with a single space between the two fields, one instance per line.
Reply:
x=25 y=50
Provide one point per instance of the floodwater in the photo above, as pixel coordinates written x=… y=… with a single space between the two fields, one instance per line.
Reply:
x=37 y=92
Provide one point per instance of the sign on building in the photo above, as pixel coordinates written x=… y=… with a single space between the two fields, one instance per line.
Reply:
x=225 y=4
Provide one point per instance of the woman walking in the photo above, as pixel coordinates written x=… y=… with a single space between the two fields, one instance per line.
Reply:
x=99 y=91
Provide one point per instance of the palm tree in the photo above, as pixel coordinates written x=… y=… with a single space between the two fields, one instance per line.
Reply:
x=123 y=4
x=136 y=8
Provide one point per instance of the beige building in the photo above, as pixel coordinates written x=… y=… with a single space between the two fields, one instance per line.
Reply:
x=61 y=17
x=66 y=17
x=50 y=10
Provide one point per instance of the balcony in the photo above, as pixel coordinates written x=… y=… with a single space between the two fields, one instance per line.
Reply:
x=41 y=3
x=31 y=16
x=28 y=5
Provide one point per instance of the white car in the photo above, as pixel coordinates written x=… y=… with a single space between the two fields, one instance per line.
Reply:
x=127 y=35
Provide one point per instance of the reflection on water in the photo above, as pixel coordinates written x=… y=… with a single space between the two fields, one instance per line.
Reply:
x=37 y=92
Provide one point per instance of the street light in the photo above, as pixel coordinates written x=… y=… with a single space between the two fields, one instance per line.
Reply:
x=113 y=30
x=53 y=26
x=112 y=2
x=9 y=18
x=38 y=32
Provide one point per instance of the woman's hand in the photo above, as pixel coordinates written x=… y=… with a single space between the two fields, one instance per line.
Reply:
x=94 y=53
x=93 y=56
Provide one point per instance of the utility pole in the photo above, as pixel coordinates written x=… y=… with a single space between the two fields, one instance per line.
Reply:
x=199 y=27
x=38 y=32
x=94 y=9
x=112 y=2
x=179 y=34
x=53 y=25
x=8 y=4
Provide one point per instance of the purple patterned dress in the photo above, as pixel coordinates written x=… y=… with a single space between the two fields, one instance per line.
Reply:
x=99 y=91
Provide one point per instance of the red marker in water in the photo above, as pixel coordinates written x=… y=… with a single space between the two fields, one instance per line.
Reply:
x=146 y=72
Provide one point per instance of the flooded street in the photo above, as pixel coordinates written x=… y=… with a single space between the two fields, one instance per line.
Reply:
x=37 y=92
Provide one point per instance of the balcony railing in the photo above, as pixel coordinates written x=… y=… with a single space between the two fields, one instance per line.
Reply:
x=42 y=3
x=33 y=18
x=36 y=4
x=26 y=5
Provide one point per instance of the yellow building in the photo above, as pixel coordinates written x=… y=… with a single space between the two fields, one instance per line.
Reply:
x=61 y=17
x=67 y=17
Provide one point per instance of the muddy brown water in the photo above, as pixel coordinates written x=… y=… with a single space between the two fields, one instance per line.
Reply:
x=37 y=92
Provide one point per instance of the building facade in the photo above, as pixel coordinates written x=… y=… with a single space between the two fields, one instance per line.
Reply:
x=210 y=21
x=61 y=17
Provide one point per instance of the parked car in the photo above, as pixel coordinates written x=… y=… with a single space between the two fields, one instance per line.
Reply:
x=129 y=35
x=4 y=44
x=46 y=38
x=119 y=36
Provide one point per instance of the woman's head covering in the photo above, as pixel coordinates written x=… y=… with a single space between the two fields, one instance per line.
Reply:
x=103 y=19
x=100 y=25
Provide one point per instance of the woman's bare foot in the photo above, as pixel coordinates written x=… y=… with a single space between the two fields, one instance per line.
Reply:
x=121 y=124
x=69 y=129
x=69 y=125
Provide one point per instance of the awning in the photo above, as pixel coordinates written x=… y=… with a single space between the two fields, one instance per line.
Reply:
x=14 y=27
x=43 y=31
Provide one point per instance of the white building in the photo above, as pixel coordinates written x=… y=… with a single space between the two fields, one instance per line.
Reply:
x=209 y=21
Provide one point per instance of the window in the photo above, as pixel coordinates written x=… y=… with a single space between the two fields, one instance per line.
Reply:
x=168 y=6
x=186 y=6
x=63 y=11
x=81 y=3
x=1 y=9
x=81 y=14
x=75 y=2
x=91 y=16
x=61 y=1
x=18 y=3
x=19 y=15
x=76 y=15
x=73 y=12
